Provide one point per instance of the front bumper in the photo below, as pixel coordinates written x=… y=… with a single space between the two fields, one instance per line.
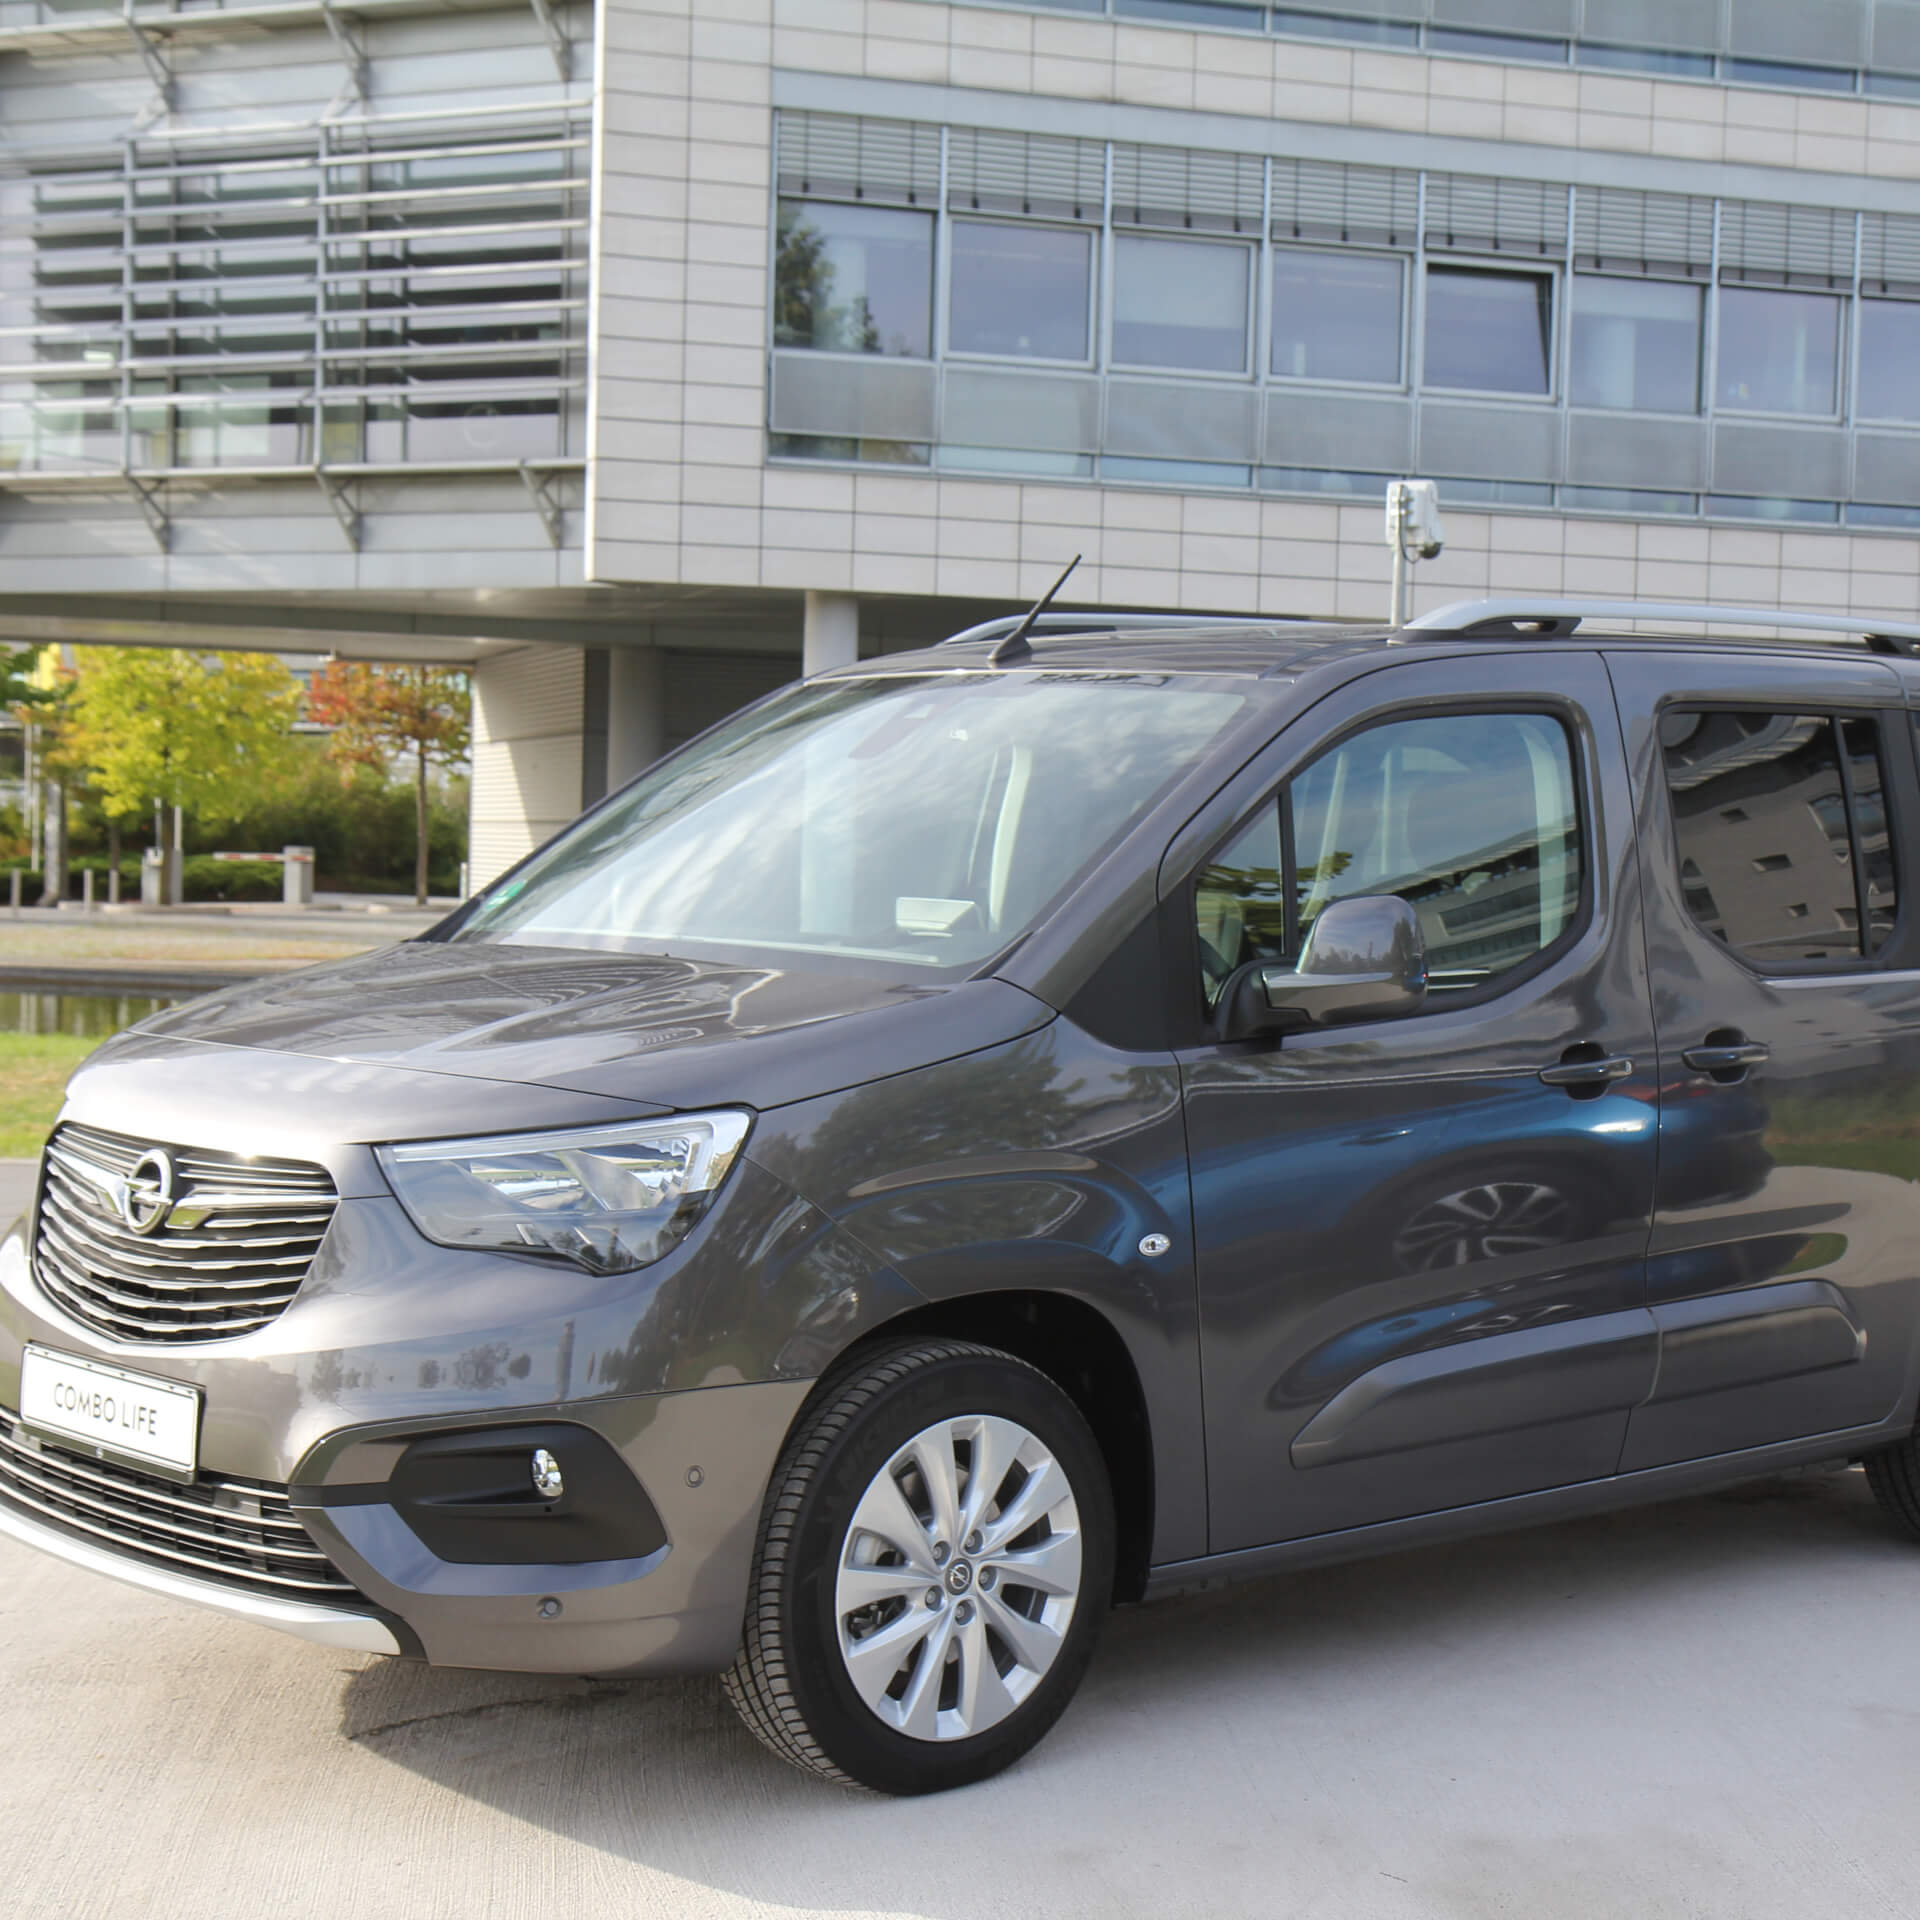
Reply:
x=351 y=1632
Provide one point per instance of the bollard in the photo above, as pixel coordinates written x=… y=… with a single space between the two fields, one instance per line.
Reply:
x=13 y=891
x=86 y=891
x=296 y=876
x=113 y=885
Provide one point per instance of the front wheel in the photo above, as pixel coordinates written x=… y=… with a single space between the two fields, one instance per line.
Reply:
x=934 y=1562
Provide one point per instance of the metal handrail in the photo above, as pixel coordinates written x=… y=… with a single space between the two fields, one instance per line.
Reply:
x=1548 y=618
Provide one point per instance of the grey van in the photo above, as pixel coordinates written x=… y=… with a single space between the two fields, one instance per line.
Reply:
x=1054 y=1119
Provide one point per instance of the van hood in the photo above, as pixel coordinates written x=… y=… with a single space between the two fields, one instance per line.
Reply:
x=645 y=1030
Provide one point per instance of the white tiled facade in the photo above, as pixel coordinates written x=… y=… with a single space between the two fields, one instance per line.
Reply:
x=668 y=521
x=682 y=490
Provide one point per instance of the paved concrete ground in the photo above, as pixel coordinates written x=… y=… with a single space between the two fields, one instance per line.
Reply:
x=1708 y=1709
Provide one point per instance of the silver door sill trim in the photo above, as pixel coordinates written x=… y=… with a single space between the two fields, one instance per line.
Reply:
x=352 y=1632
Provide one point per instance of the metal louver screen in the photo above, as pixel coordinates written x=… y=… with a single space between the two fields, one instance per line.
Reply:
x=841 y=157
x=1468 y=214
x=1617 y=230
x=1321 y=200
x=1179 y=187
x=1776 y=245
x=1031 y=173
x=1890 y=253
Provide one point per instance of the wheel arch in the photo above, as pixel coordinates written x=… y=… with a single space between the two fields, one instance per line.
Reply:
x=1077 y=1347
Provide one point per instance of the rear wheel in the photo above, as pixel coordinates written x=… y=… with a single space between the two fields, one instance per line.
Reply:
x=934 y=1563
x=1894 y=1475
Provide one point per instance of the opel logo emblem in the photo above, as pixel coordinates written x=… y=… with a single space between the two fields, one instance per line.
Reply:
x=146 y=1196
x=959 y=1577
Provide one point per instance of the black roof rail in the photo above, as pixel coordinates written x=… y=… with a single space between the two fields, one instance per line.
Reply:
x=1552 y=619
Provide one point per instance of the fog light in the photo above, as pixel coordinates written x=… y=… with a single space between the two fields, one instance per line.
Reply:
x=547 y=1480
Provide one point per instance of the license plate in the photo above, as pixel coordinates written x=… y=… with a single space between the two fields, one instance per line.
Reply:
x=155 y=1422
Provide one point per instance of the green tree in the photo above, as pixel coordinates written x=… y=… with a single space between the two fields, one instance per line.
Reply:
x=202 y=732
x=381 y=714
x=805 y=313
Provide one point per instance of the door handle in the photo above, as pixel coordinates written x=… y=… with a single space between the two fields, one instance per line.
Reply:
x=1727 y=1061
x=1588 y=1073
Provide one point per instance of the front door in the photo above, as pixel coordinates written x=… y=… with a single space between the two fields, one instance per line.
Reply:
x=1421 y=1242
x=1776 y=801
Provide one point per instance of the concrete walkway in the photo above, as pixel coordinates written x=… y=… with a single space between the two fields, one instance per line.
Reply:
x=1707 y=1710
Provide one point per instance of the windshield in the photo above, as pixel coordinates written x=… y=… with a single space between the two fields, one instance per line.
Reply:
x=925 y=820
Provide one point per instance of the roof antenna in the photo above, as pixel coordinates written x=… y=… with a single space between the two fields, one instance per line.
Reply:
x=1014 y=646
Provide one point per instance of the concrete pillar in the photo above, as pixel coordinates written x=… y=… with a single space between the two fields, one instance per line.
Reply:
x=831 y=637
x=636 y=711
x=530 y=768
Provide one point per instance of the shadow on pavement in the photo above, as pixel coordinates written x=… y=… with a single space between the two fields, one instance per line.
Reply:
x=1318 y=1706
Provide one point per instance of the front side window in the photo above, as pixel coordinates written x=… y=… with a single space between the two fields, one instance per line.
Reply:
x=1337 y=316
x=1469 y=818
x=917 y=821
x=1636 y=344
x=1180 y=303
x=1779 y=351
x=853 y=279
x=1780 y=824
x=1488 y=331
x=1022 y=292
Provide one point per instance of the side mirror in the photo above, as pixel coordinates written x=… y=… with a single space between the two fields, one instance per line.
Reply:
x=1364 y=960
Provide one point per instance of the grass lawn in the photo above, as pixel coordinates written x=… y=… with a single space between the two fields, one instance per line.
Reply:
x=33 y=1069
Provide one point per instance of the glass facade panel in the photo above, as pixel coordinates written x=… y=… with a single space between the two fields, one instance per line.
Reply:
x=1636 y=344
x=1180 y=303
x=854 y=279
x=1779 y=351
x=1337 y=316
x=1889 y=360
x=1488 y=331
x=1022 y=292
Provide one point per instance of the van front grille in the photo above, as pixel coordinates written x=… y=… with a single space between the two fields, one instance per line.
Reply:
x=174 y=1245
x=236 y=1533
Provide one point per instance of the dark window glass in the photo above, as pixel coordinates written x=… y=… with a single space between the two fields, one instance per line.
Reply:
x=1860 y=515
x=1890 y=360
x=1494 y=46
x=1767 y=863
x=1694 y=66
x=1362 y=486
x=1325 y=26
x=1786 y=73
x=1625 y=500
x=1180 y=303
x=1779 y=350
x=854 y=279
x=1248 y=15
x=1020 y=291
x=1734 y=506
x=1336 y=316
x=1489 y=331
x=1469 y=818
x=1636 y=344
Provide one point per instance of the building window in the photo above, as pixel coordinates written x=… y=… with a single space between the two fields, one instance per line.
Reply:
x=1779 y=351
x=1889 y=360
x=1489 y=331
x=1773 y=860
x=1636 y=344
x=854 y=279
x=1180 y=303
x=1337 y=316
x=1022 y=292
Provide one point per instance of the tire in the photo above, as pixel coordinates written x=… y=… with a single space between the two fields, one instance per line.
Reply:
x=881 y=1654
x=1894 y=1475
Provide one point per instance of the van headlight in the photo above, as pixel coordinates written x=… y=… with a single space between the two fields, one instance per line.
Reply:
x=609 y=1199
